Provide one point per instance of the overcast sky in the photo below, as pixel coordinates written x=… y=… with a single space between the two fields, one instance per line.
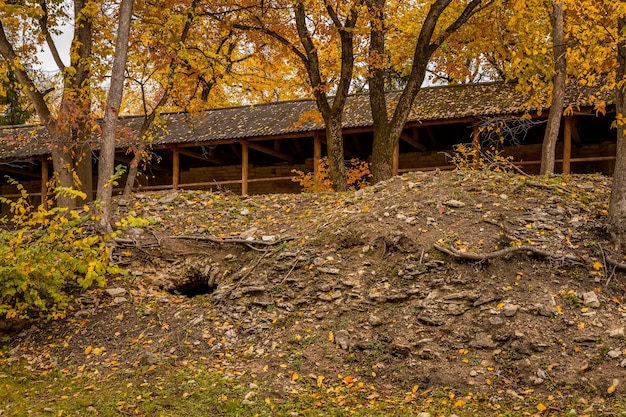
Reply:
x=63 y=43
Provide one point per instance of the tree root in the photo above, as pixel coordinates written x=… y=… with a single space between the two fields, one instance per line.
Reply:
x=473 y=256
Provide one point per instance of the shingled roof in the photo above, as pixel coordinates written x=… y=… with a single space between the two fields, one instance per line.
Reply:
x=297 y=117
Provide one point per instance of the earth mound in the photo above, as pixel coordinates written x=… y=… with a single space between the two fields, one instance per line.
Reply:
x=493 y=282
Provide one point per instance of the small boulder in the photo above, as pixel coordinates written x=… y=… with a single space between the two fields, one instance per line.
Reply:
x=590 y=299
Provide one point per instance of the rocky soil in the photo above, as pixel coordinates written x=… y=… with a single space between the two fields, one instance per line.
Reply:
x=370 y=284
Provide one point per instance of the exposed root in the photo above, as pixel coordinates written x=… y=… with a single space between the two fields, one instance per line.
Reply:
x=473 y=256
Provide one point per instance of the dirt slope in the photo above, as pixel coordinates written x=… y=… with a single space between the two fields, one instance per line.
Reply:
x=352 y=284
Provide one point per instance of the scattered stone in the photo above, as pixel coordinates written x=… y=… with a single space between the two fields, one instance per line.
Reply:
x=168 y=198
x=268 y=238
x=536 y=380
x=248 y=398
x=342 y=339
x=427 y=354
x=319 y=261
x=330 y=296
x=485 y=299
x=329 y=271
x=586 y=339
x=590 y=299
x=249 y=234
x=424 y=414
x=514 y=394
x=473 y=373
x=461 y=296
x=483 y=340
x=454 y=203
x=623 y=364
x=115 y=292
x=429 y=320
x=614 y=353
x=120 y=300
x=547 y=306
x=547 y=310
x=510 y=310
x=375 y=320
x=617 y=332
x=496 y=321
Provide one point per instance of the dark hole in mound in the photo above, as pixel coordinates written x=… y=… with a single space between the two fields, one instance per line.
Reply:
x=193 y=288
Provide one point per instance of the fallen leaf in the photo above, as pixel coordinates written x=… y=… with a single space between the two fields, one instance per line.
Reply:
x=613 y=386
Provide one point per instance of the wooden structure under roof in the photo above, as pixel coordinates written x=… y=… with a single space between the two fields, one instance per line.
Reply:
x=254 y=148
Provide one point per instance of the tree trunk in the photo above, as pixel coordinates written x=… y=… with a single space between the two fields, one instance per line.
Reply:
x=387 y=130
x=617 y=204
x=109 y=124
x=551 y=136
x=334 y=147
x=139 y=156
x=66 y=157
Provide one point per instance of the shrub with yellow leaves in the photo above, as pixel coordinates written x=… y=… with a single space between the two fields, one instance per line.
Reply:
x=357 y=176
x=45 y=254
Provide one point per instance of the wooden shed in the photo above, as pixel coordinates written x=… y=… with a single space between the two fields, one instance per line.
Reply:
x=253 y=149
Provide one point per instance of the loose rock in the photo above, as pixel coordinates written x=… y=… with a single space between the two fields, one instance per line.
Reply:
x=590 y=299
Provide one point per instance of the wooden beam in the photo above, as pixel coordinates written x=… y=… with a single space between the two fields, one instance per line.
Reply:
x=317 y=156
x=269 y=151
x=202 y=157
x=175 y=168
x=567 y=144
x=414 y=143
x=44 y=182
x=277 y=145
x=244 y=168
x=19 y=171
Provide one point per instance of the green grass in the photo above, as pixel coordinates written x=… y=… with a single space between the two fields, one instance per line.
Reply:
x=187 y=391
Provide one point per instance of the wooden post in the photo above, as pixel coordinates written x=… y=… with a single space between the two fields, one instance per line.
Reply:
x=44 y=182
x=317 y=156
x=567 y=144
x=395 y=164
x=244 y=168
x=175 y=168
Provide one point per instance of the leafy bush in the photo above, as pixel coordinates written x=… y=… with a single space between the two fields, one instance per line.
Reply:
x=46 y=254
x=357 y=176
